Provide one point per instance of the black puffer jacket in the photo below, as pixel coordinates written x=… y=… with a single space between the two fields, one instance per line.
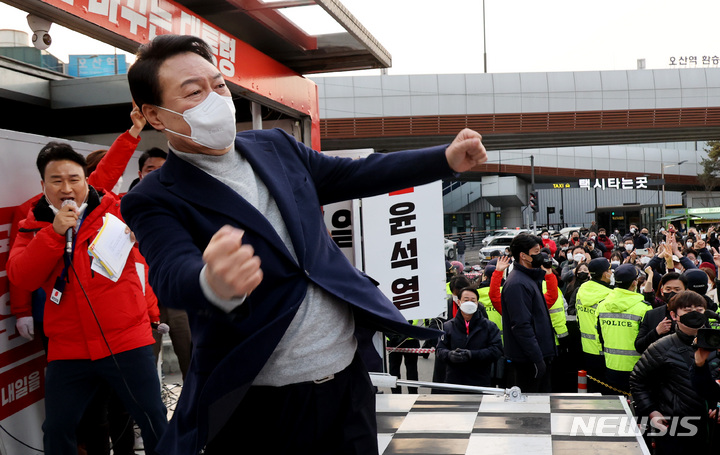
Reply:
x=662 y=379
x=483 y=342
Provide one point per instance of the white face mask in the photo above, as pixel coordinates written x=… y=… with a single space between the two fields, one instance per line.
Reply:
x=615 y=263
x=212 y=122
x=579 y=257
x=468 y=307
x=612 y=280
x=689 y=244
x=629 y=247
x=545 y=236
x=645 y=259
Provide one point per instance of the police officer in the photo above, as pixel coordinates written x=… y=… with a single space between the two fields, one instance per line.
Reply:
x=619 y=318
x=589 y=295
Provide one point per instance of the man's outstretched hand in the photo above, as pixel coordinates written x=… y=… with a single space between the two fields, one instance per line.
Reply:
x=466 y=151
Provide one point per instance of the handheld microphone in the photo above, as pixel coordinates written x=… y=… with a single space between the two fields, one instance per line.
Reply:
x=69 y=233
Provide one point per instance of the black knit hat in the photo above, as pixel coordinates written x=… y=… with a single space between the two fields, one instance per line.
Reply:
x=598 y=266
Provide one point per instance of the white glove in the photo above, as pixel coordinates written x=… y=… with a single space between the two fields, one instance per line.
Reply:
x=163 y=328
x=25 y=327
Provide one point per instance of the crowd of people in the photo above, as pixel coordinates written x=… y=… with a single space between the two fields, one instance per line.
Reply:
x=627 y=309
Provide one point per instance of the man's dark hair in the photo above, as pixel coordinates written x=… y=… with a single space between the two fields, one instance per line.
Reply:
x=522 y=243
x=669 y=277
x=154 y=152
x=469 y=289
x=143 y=74
x=686 y=299
x=58 y=151
x=458 y=282
x=687 y=251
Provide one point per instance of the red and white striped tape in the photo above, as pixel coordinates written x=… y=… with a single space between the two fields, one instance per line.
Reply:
x=410 y=350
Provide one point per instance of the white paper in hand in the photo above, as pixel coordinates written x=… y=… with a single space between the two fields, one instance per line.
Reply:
x=111 y=248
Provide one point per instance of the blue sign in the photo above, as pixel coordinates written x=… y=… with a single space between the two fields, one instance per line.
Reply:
x=96 y=65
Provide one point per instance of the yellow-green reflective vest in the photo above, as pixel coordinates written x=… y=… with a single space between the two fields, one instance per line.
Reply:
x=714 y=323
x=586 y=302
x=492 y=313
x=557 y=315
x=619 y=317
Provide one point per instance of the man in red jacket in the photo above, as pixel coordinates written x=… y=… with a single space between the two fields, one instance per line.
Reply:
x=607 y=242
x=548 y=242
x=98 y=329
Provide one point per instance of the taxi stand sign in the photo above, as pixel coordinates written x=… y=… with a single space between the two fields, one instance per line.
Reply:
x=611 y=183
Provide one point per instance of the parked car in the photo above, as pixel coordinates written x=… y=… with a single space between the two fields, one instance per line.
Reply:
x=450 y=250
x=565 y=232
x=498 y=243
x=502 y=232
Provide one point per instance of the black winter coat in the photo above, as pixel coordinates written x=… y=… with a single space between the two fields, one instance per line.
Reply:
x=483 y=342
x=647 y=334
x=662 y=379
x=527 y=330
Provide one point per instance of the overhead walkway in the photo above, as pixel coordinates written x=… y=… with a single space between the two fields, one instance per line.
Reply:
x=521 y=110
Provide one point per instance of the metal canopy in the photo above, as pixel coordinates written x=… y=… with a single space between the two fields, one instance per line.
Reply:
x=265 y=26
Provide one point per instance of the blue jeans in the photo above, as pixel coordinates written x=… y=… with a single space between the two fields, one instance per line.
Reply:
x=71 y=384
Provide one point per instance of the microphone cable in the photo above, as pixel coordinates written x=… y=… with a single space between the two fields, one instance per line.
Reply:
x=19 y=441
x=117 y=365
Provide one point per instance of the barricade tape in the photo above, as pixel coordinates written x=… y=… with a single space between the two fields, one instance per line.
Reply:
x=410 y=350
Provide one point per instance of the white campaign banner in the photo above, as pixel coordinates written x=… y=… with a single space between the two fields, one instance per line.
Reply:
x=403 y=248
x=339 y=219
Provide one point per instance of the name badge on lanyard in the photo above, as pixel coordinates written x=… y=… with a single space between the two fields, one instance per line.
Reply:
x=57 y=291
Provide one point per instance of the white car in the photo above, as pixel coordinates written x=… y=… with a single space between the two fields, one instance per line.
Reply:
x=502 y=232
x=450 y=250
x=498 y=243
x=565 y=232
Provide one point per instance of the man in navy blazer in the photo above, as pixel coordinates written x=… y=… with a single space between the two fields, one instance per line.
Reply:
x=232 y=229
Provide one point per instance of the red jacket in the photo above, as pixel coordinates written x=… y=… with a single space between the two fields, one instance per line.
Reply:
x=36 y=261
x=551 y=295
x=609 y=246
x=107 y=173
x=550 y=243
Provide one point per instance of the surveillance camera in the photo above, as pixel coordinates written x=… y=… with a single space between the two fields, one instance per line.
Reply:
x=41 y=38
